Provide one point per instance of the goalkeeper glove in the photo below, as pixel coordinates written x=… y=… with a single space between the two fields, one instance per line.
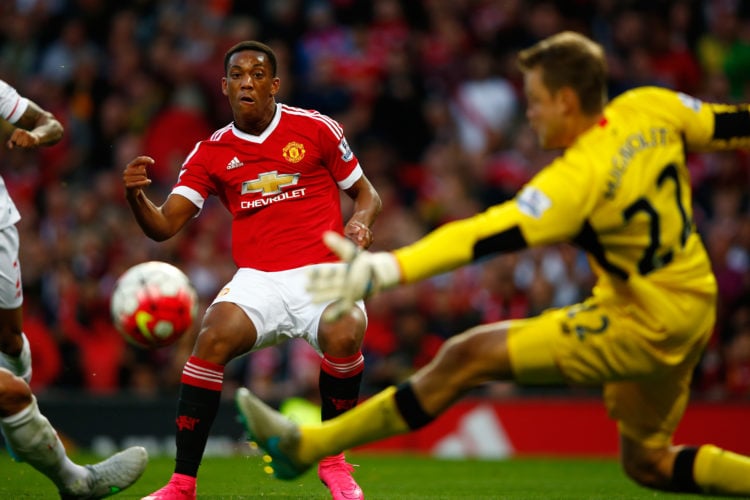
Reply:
x=365 y=274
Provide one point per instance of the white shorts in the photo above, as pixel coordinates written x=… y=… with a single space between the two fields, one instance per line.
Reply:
x=278 y=304
x=11 y=291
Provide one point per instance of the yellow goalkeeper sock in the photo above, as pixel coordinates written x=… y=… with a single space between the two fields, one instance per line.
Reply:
x=718 y=471
x=374 y=419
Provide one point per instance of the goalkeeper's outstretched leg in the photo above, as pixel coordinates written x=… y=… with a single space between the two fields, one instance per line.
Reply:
x=294 y=448
x=649 y=459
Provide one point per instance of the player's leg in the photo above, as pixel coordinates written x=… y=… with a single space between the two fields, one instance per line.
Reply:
x=15 y=354
x=463 y=362
x=226 y=332
x=649 y=400
x=703 y=469
x=532 y=351
x=646 y=451
x=340 y=378
x=35 y=442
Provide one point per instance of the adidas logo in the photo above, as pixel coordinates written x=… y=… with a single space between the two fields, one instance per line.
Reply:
x=235 y=163
x=478 y=434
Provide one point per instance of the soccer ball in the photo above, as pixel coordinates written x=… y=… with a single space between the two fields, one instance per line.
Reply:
x=153 y=304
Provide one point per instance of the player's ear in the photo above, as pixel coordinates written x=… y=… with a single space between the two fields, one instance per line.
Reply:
x=224 y=85
x=569 y=99
x=275 y=85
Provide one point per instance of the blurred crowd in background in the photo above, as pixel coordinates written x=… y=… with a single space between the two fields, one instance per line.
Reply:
x=431 y=102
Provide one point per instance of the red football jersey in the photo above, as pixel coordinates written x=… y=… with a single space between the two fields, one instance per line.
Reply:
x=281 y=187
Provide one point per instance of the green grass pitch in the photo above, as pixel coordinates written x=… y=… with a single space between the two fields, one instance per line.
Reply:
x=382 y=477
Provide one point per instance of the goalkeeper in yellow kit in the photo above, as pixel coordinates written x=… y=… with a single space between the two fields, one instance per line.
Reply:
x=621 y=192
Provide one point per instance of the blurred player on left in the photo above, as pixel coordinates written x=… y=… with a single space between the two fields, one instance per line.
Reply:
x=28 y=434
x=34 y=127
x=31 y=438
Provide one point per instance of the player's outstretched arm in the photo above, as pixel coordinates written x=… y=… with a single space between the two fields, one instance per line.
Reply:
x=158 y=222
x=448 y=247
x=365 y=274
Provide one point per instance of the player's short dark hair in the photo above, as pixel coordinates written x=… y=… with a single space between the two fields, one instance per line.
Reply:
x=251 y=45
x=569 y=59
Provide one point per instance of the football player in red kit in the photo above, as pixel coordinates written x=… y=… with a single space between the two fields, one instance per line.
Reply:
x=278 y=170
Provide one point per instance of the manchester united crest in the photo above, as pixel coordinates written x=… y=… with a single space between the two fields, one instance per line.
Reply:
x=294 y=152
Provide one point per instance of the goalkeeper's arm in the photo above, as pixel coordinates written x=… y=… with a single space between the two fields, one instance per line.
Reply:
x=447 y=248
x=461 y=242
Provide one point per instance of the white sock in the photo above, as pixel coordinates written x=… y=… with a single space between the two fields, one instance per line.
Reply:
x=34 y=441
x=19 y=365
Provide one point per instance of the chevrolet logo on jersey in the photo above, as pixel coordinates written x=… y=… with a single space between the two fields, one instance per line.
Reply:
x=269 y=183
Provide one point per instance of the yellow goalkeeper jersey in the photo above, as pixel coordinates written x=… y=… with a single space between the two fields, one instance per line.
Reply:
x=621 y=192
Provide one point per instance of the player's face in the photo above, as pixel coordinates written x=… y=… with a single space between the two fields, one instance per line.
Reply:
x=250 y=86
x=545 y=111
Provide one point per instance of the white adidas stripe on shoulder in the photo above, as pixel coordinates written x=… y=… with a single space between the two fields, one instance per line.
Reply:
x=329 y=122
x=214 y=137
x=217 y=135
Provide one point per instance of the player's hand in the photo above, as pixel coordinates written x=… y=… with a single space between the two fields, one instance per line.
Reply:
x=22 y=138
x=135 y=175
x=359 y=233
x=365 y=274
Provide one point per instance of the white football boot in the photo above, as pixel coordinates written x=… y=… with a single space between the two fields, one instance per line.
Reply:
x=109 y=476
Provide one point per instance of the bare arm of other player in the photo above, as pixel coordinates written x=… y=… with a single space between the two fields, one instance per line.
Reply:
x=158 y=222
x=36 y=127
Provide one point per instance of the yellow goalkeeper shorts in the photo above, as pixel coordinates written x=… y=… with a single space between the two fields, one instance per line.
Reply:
x=645 y=370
